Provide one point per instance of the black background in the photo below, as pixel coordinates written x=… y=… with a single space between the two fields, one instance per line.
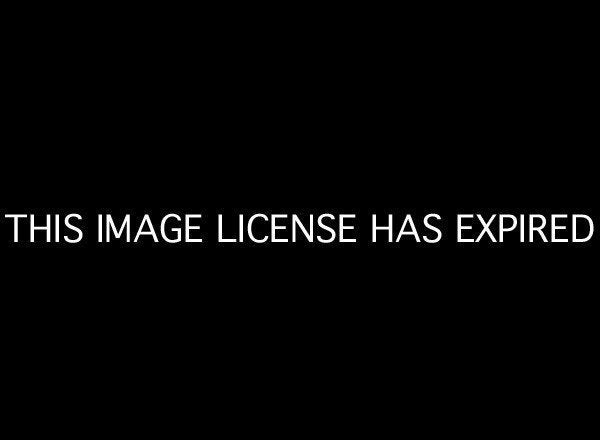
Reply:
x=386 y=112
